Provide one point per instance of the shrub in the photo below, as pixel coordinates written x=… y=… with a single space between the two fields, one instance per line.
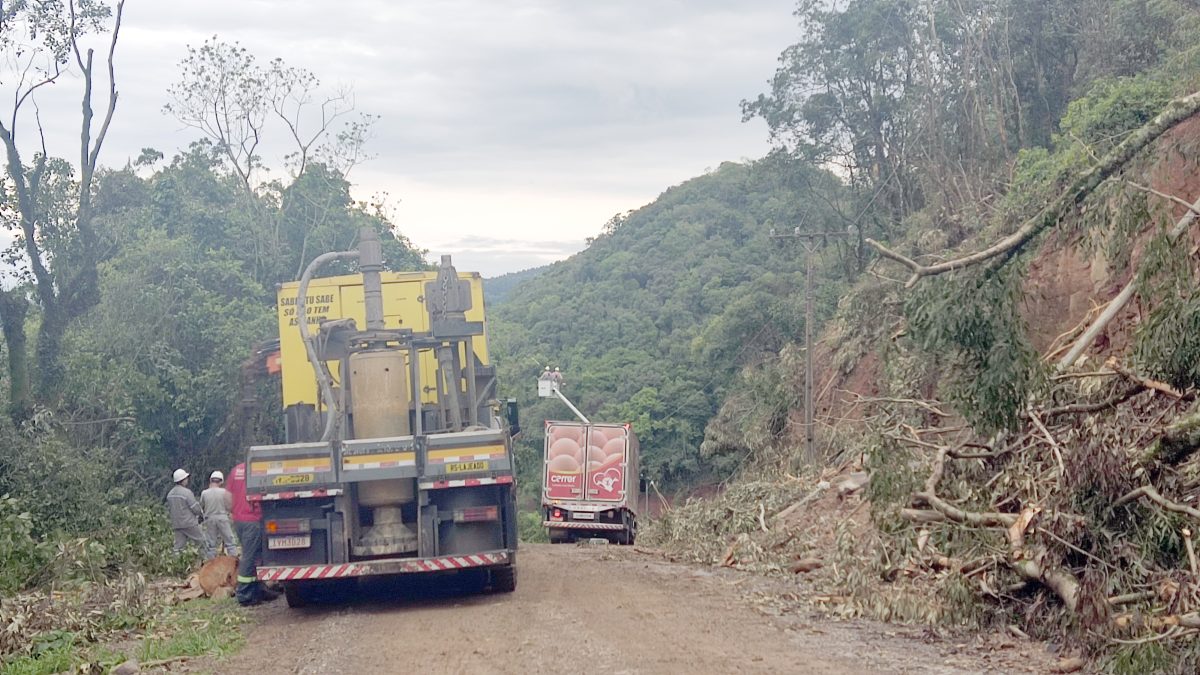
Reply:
x=20 y=553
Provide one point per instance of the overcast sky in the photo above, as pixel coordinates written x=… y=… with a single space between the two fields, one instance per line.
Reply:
x=509 y=130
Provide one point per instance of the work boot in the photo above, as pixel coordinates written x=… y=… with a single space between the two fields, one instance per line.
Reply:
x=248 y=594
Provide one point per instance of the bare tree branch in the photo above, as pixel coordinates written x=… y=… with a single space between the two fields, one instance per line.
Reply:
x=1195 y=208
x=112 y=87
x=1149 y=492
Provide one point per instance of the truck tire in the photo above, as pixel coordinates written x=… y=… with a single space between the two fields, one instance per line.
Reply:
x=296 y=595
x=504 y=579
x=629 y=534
x=559 y=536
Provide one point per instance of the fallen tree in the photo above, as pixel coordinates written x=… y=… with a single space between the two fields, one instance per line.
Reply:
x=1175 y=112
x=1045 y=543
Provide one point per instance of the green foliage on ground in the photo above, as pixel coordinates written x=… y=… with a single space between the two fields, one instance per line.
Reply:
x=76 y=516
x=975 y=322
x=203 y=627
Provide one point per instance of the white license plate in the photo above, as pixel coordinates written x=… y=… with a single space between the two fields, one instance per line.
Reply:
x=296 y=541
x=584 y=515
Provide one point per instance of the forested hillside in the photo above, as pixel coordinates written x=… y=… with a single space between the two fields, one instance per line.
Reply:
x=653 y=320
x=496 y=290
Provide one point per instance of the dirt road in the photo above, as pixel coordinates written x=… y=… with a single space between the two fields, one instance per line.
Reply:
x=581 y=609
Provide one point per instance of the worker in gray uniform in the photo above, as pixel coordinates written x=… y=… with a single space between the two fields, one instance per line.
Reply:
x=185 y=514
x=217 y=503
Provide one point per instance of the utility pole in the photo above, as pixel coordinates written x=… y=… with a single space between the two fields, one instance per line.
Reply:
x=809 y=240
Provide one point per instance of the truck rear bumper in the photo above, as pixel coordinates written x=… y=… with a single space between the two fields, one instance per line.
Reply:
x=377 y=567
x=557 y=524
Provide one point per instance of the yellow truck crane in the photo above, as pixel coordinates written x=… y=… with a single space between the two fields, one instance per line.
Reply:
x=396 y=461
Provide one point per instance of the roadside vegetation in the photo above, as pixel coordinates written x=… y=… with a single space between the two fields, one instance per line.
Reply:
x=131 y=304
x=1031 y=455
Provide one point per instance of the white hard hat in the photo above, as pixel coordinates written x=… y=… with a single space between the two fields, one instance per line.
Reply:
x=217 y=475
x=179 y=475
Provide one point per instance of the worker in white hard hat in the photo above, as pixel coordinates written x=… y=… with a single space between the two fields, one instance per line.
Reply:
x=217 y=503
x=185 y=513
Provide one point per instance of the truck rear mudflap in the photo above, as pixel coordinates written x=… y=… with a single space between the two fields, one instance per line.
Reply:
x=380 y=567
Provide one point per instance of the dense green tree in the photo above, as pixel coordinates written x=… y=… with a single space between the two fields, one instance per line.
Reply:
x=157 y=361
x=163 y=347
x=237 y=104
x=922 y=103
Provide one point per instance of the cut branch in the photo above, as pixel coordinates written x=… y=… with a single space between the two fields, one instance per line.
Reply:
x=1175 y=112
x=957 y=515
x=1178 y=440
x=1149 y=492
x=1191 y=620
x=1118 y=303
x=1088 y=408
x=1144 y=381
x=1026 y=562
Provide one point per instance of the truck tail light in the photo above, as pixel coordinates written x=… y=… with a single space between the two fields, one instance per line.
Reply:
x=288 y=526
x=557 y=515
x=477 y=514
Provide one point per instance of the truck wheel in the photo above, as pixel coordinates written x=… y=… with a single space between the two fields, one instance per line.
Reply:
x=296 y=596
x=504 y=579
x=557 y=536
x=629 y=534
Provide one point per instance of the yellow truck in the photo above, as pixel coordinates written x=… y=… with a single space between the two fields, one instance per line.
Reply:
x=396 y=459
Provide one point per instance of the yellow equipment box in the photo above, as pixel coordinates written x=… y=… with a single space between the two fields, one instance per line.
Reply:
x=342 y=298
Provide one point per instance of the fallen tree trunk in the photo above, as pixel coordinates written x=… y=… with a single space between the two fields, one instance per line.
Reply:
x=1191 y=620
x=1146 y=382
x=1179 y=440
x=1118 y=303
x=1024 y=560
x=1175 y=112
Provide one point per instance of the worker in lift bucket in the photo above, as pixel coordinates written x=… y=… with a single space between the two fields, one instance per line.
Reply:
x=185 y=514
x=554 y=376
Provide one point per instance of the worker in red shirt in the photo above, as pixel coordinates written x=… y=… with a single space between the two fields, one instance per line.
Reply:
x=247 y=522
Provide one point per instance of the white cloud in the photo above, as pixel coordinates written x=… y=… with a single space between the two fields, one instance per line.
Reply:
x=514 y=120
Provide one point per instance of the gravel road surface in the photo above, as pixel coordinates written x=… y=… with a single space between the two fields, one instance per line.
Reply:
x=600 y=609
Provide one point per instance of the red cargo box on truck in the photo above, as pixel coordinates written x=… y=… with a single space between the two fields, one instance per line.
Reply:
x=590 y=482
